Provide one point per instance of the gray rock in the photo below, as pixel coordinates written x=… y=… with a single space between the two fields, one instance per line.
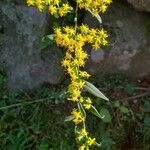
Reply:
x=21 y=29
x=97 y=55
x=129 y=37
x=141 y=5
x=20 y=56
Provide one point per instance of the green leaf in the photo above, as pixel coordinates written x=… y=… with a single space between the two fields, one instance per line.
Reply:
x=96 y=16
x=106 y=142
x=98 y=144
x=56 y=15
x=43 y=146
x=77 y=129
x=94 y=111
x=106 y=114
x=93 y=90
x=69 y=118
x=147 y=105
x=129 y=88
x=124 y=109
x=81 y=109
x=116 y=104
x=46 y=41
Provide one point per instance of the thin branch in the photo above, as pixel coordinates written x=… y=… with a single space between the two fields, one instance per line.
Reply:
x=136 y=96
x=142 y=88
x=136 y=88
x=24 y=103
x=76 y=19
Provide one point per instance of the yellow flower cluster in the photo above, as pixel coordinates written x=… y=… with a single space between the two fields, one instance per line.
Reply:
x=88 y=141
x=73 y=40
x=55 y=7
x=77 y=116
x=87 y=103
x=96 y=6
x=76 y=57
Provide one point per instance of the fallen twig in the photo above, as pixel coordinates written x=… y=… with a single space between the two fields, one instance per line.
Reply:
x=136 y=96
x=136 y=88
x=24 y=103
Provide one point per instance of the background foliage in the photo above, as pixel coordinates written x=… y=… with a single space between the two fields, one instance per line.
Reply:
x=41 y=126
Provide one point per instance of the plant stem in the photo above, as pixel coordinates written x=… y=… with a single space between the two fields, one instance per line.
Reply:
x=76 y=18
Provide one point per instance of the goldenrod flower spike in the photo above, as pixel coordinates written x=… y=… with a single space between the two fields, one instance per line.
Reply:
x=73 y=39
x=75 y=58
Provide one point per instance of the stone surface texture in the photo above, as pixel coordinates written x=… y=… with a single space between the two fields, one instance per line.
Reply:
x=141 y=5
x=129 y=46
x=26 y=65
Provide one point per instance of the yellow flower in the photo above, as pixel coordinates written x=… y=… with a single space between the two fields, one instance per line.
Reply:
x=82 y=147
x=87 y=106
x=76 y=84
x=77 y=116
x=109 y=1
x=83 y=133
x=102 y=33
x=76 y=93
x=84 y=74
x=39 y=4
x=61 y=11
x=81 y=100
x=56 y=2
x=81 y=39
x=52 y=9
x=64 y=9
x=47 y=2
x=66 y=62
x=69 y=30
x=81 y=55
x=96 y=45
x=84 y=29
x=68 y=55
x=81 y=84
x=72 y=73
x=103 y=8
x=89 y=38
x=30 y=2
x=91 y=141
x=93 y=32
x=88 y=103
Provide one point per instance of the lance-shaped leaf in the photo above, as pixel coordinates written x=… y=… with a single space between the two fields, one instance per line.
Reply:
x=98 y=144
x=81 y=109
x=95 y=91
x=69 y=118
x=96 y=16
x=94 y=111
x=76 y=130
